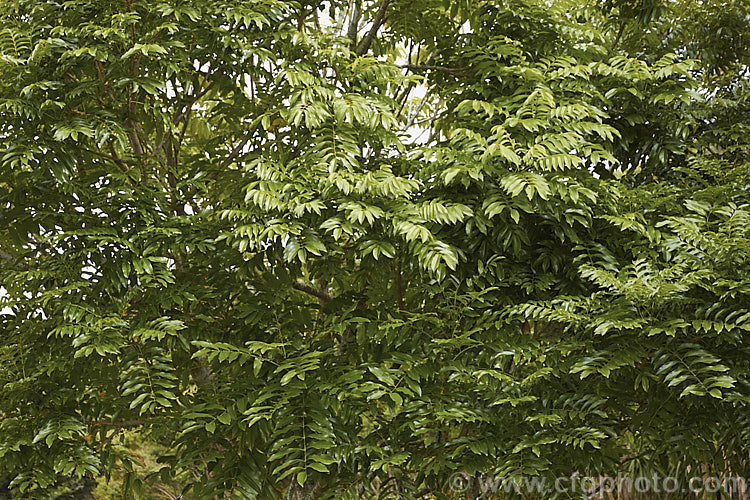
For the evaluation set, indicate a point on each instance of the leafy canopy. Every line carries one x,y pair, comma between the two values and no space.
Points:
346,249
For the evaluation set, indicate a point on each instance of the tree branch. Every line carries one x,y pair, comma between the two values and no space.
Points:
122,423
235,152
401,98
13,261
132,134
183,114
316,292
364,46
103,79
416,113
617,38
113,158
399,284
354,24
444,69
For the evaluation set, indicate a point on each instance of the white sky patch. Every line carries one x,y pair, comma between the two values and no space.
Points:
3,295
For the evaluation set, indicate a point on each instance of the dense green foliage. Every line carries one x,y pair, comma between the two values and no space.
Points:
347,249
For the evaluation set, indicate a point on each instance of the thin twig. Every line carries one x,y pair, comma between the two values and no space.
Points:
416,113
117,161
120,424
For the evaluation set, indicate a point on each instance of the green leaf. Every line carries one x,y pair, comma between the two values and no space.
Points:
302,478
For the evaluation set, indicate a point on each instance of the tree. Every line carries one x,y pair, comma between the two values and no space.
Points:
220,232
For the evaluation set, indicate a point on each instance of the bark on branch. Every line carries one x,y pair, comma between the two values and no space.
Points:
354,24
103,78
316,292
364,46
